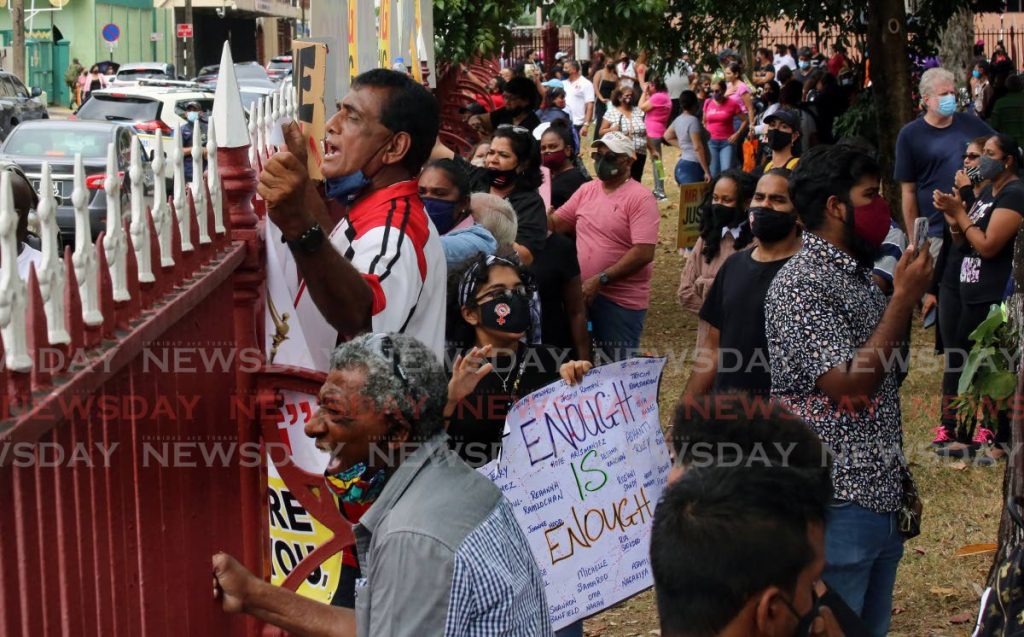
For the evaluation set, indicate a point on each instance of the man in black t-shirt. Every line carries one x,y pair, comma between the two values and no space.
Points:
734,354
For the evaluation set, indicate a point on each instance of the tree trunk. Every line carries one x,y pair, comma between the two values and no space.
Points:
18,44
890,81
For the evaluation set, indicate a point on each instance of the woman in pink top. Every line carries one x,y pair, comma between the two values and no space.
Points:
719,115
738,90
657,108
723,230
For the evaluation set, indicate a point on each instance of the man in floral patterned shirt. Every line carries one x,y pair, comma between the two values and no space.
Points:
831,340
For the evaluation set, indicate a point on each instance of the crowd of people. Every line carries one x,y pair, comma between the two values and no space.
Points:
463,282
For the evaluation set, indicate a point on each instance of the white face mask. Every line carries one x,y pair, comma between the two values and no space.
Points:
192,116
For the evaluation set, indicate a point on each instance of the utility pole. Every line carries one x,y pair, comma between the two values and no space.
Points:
190,44
18,27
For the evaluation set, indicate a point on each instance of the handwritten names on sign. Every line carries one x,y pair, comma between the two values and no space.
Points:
583,468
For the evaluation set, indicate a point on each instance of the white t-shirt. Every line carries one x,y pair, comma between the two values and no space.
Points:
26,258
627,72
780,61
577,95
678,80
388,237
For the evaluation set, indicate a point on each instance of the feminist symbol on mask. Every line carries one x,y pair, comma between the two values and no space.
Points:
502,310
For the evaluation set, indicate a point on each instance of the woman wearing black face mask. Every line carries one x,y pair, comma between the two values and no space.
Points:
489,315
511,171
724,229
945,296
734,309
986,233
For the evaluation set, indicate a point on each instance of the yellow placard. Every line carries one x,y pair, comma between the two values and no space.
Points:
310,77
294,534
690,198
352,49
384,34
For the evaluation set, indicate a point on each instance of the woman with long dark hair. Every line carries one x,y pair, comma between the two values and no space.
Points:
657,107
511,171
985,235
724,230
488,320
687,133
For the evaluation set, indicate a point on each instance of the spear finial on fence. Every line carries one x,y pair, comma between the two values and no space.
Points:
13,294
114,242
253,137
140,226
84,257
213,181
180,202
198,191
50,273
261,129
161,211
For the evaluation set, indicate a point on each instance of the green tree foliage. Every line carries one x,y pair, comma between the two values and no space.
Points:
465,29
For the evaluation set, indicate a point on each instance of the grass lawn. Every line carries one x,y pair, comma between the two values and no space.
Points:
935,591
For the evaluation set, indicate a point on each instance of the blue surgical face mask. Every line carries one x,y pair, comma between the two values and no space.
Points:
441,212
345,189
947,105
976,73
192,116
804,64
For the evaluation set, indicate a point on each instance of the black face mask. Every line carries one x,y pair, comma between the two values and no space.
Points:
723,216
778,139
501,178
509,313
770,225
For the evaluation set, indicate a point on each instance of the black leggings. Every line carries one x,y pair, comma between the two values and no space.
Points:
637,171
956,322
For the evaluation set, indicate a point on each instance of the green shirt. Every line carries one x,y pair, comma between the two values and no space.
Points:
1008,115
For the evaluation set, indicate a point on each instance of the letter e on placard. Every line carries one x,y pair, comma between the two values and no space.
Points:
309,76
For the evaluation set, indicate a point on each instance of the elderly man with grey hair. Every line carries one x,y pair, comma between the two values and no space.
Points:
929,151
440,550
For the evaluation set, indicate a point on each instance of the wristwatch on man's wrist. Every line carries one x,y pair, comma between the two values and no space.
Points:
309,242
603,278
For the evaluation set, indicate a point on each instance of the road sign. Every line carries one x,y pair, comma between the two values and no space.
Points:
111,32
185,30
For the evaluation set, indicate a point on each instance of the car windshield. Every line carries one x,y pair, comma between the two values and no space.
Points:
119,108
57,141
250,71
280,66
137,74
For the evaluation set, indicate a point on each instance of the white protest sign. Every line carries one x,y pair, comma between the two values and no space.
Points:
583,468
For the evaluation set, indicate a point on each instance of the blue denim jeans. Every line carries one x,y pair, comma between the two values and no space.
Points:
616,329
862,551
689,172
721,156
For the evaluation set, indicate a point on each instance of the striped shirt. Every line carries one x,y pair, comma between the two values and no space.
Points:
442,554
388,237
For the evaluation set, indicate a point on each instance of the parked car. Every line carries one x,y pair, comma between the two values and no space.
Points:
246,73
133,72
279,67
207,74
57,142
18,104
146,107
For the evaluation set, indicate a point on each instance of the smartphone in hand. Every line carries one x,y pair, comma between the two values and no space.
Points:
920,233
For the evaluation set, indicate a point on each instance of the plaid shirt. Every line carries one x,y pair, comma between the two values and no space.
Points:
442,554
